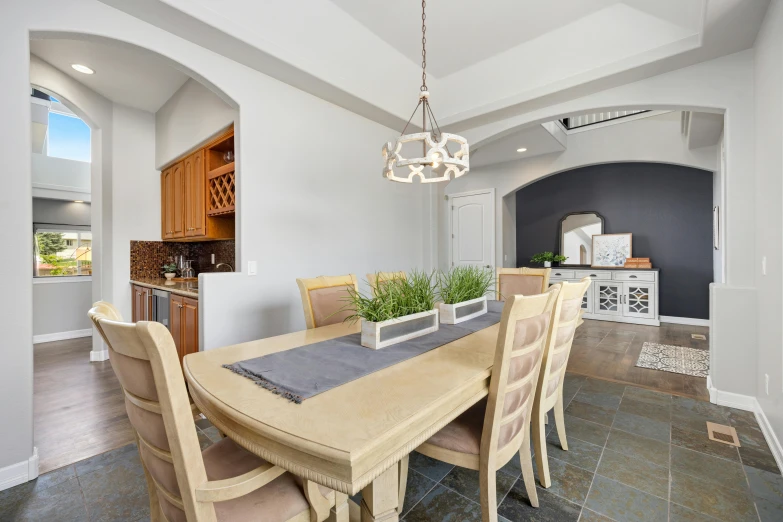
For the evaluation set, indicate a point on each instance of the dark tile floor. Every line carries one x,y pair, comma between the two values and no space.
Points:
634,455
109,487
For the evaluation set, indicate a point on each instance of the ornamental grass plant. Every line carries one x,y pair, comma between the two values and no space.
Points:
393,298
464,283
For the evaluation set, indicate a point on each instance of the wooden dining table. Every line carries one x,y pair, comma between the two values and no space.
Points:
352,437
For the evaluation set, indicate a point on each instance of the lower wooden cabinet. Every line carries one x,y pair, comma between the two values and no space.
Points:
183,324
142,303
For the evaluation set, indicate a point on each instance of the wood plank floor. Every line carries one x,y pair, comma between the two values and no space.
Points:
609,351
79,410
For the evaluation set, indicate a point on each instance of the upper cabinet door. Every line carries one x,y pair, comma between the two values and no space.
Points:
166,204
195,199
177,200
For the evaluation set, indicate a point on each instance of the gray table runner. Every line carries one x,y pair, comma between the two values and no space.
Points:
300,373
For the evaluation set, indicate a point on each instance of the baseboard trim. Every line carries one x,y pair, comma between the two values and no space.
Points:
772,440
61,336
685,320
732,400
98,356
20,472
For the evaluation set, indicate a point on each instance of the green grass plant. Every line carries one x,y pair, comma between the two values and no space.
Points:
463,283
393,298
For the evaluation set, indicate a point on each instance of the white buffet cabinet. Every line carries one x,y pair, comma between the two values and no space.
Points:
621,295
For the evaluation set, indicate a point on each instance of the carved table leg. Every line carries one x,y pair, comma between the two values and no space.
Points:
381,498
339,512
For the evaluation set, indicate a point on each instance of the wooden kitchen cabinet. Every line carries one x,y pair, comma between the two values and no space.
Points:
195,200
142,303
172,192
198,194
183,324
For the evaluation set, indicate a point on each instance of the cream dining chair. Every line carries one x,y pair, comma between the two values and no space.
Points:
323,299
224,482
493,431
521,281
549,391
381,277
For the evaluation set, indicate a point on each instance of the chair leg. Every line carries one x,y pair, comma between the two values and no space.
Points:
489,495
560,420
528,477
539,442
403,484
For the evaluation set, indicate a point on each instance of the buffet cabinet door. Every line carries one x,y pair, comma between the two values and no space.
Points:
607,298
639,300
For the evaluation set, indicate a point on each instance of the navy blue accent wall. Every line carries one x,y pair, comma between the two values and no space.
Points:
668,209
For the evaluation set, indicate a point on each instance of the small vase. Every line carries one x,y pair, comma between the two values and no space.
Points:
547,264
169,275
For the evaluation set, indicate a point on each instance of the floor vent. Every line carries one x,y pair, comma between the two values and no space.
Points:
724,434
698,337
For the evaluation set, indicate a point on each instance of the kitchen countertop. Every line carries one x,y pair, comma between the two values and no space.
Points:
186,288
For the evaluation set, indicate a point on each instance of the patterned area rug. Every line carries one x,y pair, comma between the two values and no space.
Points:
675,359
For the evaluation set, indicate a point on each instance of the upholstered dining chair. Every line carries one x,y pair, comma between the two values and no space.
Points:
381,277
323,299
224,482
549,391
521,281
494,430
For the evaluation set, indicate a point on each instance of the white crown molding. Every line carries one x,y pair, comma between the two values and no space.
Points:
61,336
20,472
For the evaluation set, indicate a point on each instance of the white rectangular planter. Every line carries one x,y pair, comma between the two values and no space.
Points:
459,312
383,334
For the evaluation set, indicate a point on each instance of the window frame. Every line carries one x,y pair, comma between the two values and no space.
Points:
63,229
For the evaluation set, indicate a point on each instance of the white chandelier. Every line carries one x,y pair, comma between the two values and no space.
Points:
437,162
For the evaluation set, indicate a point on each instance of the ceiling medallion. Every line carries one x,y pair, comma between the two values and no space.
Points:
437,162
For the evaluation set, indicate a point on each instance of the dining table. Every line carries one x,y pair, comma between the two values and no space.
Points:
350,438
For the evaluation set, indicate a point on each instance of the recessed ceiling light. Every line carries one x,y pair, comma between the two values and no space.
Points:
82,68
523,149
78,201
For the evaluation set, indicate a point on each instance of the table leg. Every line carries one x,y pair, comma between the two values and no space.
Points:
381,498
339,512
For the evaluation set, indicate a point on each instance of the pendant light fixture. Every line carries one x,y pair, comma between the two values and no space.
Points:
437,161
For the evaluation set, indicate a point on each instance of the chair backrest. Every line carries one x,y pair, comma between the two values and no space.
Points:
553,367
144,358
525,326
323,299
521,281
379,278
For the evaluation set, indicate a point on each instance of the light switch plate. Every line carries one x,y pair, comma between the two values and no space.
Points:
252,268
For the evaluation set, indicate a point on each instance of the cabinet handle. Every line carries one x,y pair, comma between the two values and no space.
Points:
632,277
593,275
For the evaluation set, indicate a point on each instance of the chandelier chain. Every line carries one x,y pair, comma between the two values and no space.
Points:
423,45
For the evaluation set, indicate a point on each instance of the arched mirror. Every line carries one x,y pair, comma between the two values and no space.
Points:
576,236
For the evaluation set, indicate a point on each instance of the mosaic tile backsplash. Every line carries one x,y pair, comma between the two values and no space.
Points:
147,257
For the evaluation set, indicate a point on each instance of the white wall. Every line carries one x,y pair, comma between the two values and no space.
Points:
190,117
135,194
59,307
60,174
769,216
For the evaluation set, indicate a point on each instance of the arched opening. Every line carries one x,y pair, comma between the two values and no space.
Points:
123,194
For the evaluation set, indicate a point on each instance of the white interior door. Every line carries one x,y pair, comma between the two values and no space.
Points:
473,229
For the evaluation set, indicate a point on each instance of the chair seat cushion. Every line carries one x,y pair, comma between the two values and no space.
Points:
279,500
463,434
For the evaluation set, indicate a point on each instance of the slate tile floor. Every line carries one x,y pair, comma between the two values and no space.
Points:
634,455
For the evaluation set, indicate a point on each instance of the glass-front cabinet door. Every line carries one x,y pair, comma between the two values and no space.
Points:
639,300
607,298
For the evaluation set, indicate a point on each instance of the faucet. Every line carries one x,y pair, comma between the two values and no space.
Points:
230,268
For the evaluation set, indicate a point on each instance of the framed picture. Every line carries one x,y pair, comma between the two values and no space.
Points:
610,250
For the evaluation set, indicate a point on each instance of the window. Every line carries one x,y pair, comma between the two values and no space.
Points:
68,137
60,252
